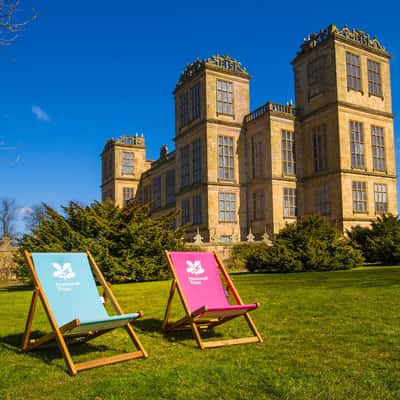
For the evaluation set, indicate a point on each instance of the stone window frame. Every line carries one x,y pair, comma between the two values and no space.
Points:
378,148
288,143
319,141
322,204
156,191
146,194
374,78
226,161
197,210
170,186
196,101
381,198
185,207
359,196
257,157
258,205
353,72
289,202
185,164
316,76
127,194
197,161
226,207
225,101
128,163
184,108
357,144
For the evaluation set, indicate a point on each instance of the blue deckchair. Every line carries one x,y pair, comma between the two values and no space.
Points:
65,284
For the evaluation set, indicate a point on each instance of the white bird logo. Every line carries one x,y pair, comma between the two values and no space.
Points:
64,271
194,267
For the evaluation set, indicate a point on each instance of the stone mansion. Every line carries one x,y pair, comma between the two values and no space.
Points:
234,170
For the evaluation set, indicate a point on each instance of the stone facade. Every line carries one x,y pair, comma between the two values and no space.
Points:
7,250
234,170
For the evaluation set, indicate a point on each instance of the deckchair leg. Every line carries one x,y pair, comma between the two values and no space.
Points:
169,304
135,339
29,320
253,326
196,333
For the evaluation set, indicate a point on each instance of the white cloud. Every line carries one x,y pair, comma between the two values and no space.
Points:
25,210
41,114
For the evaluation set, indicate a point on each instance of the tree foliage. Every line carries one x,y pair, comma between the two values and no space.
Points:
310,244
381,242
125,242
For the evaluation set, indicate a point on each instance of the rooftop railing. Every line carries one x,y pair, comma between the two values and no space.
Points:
268,107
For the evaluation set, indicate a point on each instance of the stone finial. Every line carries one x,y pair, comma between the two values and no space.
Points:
250,237
163,152
198,239
266,239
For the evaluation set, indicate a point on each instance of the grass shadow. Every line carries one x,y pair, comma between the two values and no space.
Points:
48,354
15,288
154,325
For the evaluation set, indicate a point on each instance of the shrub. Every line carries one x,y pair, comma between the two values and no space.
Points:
381,242
310,244
125,242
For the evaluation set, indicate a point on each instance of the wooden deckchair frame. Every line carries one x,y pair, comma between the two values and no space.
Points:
189,322
57,336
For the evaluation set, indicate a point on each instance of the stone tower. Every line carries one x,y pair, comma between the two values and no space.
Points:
211,101
344,127
123,161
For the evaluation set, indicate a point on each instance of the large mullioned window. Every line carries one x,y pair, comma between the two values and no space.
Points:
380,195
321,200
224,97
315,75
319,148
288,153
353,72
197,210
378,148
184,109
185,176
227,207
359,197
289,202
170,186
357,144
257,157
196,161
374,78
127,163
185,211
195,94
225,157
156,187
127,195
258,205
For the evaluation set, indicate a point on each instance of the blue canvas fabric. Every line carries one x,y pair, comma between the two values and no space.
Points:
71,291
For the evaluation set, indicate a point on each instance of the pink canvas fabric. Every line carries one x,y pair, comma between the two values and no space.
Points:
198,276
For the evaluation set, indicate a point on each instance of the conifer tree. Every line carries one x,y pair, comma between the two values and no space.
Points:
126,243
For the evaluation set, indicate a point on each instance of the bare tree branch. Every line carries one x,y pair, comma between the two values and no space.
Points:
10,23
8,216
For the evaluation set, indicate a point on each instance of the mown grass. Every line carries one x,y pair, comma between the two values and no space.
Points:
333,335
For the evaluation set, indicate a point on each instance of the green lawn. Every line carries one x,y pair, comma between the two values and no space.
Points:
332,335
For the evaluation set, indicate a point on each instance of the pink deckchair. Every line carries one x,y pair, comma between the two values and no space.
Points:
196,276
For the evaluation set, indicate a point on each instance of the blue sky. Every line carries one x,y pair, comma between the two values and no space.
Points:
87,71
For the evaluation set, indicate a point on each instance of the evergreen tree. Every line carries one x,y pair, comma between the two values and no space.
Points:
126,243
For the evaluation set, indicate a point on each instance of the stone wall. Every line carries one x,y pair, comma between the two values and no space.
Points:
7,250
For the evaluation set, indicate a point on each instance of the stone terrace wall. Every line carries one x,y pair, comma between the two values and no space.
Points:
7,250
